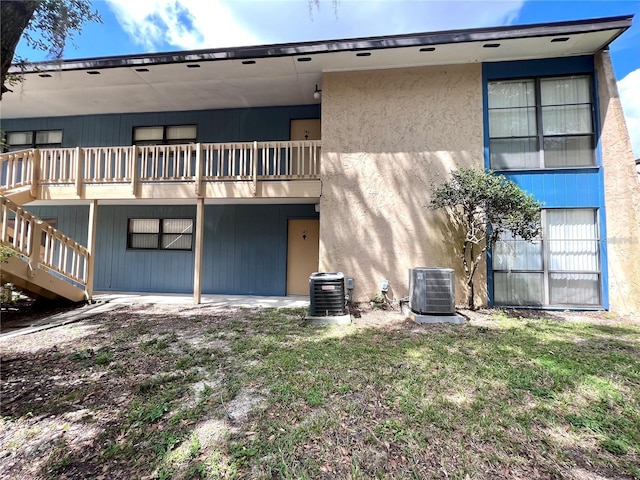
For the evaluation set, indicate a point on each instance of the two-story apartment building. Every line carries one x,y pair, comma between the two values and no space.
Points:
241,171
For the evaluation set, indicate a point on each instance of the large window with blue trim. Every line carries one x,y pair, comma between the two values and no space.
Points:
543,122
560,268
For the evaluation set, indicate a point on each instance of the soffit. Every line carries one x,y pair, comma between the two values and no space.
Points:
275,75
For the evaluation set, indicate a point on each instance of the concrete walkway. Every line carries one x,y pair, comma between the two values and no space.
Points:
105,302
248,301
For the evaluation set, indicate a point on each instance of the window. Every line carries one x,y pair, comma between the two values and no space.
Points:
541,123
33,139
160,234
561,268
164,135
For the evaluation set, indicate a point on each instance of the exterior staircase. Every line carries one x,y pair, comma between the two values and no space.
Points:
42,262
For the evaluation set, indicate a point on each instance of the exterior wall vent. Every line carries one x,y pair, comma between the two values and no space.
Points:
326,292
432,291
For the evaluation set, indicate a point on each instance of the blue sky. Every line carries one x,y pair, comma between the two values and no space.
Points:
135,26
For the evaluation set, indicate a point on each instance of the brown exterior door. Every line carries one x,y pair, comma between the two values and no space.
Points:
302,254
307,129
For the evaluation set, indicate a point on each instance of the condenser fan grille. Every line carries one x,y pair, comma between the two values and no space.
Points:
432,291
326,292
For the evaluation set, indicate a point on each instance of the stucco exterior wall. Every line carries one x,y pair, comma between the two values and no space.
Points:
387,137
622,195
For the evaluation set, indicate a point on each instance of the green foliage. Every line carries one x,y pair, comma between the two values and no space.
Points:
6,289
482,206
45,25
55,22
6,253
481,199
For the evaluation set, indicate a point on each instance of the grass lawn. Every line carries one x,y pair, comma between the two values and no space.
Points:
161,392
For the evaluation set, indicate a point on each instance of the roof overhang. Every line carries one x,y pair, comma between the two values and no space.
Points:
281,74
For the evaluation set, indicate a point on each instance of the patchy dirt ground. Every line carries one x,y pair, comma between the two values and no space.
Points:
83,400
25,312
74,387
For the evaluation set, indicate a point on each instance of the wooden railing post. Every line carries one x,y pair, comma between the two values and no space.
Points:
5,220
134,167
254,158
197,261
35,172
14,171
199,170
89,263
78,171
34,247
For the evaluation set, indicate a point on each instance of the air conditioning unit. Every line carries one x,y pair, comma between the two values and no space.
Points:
432,291
326,294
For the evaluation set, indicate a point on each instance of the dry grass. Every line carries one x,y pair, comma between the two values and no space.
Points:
162,392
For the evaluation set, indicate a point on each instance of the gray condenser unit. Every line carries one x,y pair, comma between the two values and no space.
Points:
432,291
327,294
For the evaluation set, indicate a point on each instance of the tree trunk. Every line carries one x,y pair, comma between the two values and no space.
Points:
470,290
14,18
470,294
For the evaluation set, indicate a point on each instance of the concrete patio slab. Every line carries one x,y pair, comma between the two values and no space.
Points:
419,318
247,301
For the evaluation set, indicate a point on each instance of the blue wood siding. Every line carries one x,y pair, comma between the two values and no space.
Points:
119,269
227,125
537,68
73,221
246,247
562,188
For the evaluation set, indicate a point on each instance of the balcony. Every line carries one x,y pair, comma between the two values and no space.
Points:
271,170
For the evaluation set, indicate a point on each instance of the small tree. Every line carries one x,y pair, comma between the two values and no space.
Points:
484,205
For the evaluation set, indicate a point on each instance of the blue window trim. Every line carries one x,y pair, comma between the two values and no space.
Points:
546,68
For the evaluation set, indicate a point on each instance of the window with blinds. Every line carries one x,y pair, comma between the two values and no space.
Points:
165,135
541,123
160,234
34,139
560,268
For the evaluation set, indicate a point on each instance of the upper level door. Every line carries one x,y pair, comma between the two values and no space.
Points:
307,129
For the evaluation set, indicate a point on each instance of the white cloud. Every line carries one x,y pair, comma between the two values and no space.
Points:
192,24
187,24
291,20
629,88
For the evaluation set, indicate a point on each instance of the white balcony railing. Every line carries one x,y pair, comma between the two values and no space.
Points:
17,169
197,163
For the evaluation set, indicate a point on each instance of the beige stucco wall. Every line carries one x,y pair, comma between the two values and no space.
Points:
622,195
387,136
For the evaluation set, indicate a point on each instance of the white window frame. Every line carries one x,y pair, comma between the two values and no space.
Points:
540,136
547,272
